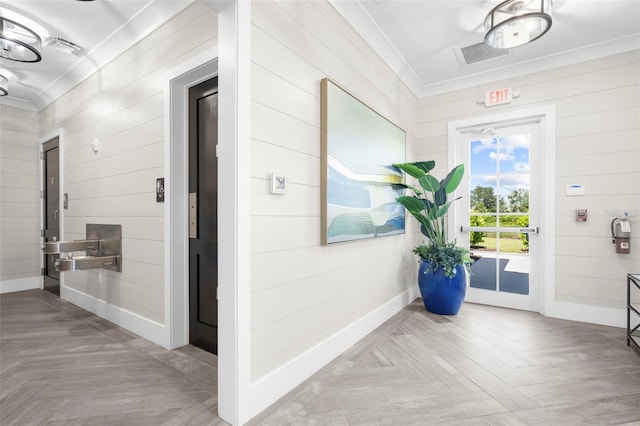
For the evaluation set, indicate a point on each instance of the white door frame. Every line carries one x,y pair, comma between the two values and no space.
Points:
547,117
176,265
233,68
532,300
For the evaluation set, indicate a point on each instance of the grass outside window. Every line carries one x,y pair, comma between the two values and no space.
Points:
507,245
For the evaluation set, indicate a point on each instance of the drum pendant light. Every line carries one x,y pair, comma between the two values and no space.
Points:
514,23
19,43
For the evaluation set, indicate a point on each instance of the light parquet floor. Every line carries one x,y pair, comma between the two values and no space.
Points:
484,366
60,365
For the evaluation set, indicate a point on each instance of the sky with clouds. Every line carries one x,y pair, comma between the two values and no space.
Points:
501,162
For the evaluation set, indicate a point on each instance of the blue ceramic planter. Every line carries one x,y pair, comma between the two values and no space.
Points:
441,294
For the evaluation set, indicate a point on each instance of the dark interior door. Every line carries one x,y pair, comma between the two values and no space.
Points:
203,215
51,213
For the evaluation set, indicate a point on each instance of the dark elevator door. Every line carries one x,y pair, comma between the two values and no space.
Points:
203,215
51,213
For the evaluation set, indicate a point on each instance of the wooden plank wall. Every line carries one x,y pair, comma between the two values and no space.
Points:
122,106
19,194
598,144
303,292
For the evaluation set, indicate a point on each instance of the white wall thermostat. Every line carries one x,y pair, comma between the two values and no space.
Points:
278,184
574,189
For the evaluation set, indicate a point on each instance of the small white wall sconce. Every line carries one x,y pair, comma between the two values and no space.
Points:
95,146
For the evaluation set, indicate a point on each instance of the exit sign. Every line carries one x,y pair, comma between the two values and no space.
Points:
498,97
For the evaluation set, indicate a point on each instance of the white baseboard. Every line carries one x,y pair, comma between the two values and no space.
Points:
135,323
589,313
20,284
276,384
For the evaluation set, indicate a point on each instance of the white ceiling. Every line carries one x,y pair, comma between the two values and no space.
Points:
419,39
103,28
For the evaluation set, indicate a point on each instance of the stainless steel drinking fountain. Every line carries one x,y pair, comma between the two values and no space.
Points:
103,249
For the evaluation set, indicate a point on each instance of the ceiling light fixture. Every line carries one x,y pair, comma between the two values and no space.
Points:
514,23
19,43
4,85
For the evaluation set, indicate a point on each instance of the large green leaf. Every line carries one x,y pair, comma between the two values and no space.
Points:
415,206
442,210
427,166
416,169
427,229
412,204
399,186
410,169
415,189
422,220
428,205
433,214
440,196
453,179
429,183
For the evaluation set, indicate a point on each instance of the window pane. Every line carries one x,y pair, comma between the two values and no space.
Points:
514,220
514,193
514,272
483,194
512,242
514,153
483,271
482,240
483,155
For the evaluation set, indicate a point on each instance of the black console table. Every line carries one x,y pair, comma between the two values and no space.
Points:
633,333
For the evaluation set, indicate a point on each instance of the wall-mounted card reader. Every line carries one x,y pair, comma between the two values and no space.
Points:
160,190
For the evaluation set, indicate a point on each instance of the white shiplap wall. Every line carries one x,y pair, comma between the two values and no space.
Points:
303,292
597,144
122,108
19,198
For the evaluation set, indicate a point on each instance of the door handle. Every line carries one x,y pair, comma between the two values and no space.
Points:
193,215
56,213
525,230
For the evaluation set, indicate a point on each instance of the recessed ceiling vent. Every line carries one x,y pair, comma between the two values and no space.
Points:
480,52
63,45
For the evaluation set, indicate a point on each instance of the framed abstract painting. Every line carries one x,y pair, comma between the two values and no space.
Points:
359,147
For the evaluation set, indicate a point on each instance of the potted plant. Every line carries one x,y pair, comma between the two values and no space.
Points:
444,266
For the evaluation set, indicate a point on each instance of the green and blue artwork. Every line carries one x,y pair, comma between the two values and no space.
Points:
359,148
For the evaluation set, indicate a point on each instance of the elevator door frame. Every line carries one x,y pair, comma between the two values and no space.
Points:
57,133
234,381
50,219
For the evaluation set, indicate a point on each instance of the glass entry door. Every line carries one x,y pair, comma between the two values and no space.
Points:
498,213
